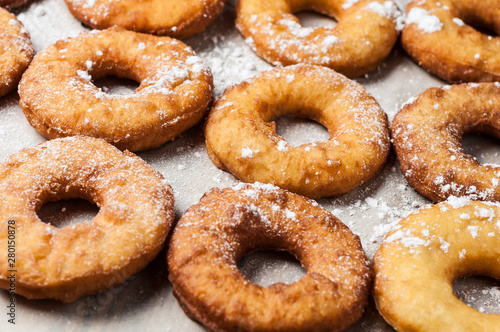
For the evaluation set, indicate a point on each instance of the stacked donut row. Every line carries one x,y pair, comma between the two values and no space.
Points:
455,238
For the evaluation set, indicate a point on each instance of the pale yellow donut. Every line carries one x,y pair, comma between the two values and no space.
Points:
241,136
419,260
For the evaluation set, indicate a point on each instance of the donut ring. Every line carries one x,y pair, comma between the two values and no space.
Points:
16,51
58,97
241,137
418,262
179,19
363,38
136,214
427,135
437,38
226,224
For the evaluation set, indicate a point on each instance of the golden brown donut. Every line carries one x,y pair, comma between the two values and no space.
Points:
427,136
363,38
16,51
135,216
59,99
241,135
419,261
227,224
439,38
175,18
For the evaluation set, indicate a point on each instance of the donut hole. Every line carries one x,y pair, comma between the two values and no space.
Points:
298,131
267,267
479,16
311,19
480,293
113,85
66,213
481,27
485,148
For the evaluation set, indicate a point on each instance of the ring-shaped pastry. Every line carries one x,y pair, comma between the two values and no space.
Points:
16,51
363,38
241,135
419,261
226,224
58,97
438,37
174,18
427,137
135,216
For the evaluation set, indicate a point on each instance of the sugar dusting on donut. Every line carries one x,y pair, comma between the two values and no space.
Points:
219,230
441,125
438,245
424,20
282,40
136,206
175,89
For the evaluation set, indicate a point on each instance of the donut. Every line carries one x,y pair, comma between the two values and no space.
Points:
427,135
363,38
178,19
419,261
16,51
214,234
241,135
59,99
439,38
135,216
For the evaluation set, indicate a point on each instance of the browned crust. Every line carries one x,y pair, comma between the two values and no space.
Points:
427,137
215,233
16,51
11,4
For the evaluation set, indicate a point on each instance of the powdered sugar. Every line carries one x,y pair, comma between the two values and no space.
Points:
458,22
246,152
387,9
424,20
296,29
